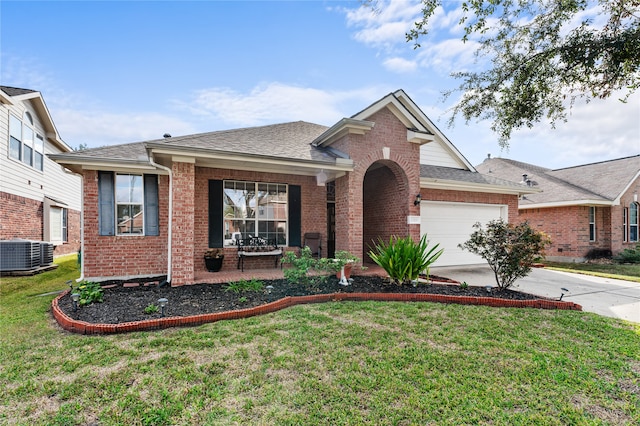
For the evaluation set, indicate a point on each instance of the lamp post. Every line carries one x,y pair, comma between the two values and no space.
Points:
75,297
162,302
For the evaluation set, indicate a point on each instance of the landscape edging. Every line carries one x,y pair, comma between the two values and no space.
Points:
83,327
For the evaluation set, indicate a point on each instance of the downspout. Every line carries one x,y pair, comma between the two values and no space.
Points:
170,226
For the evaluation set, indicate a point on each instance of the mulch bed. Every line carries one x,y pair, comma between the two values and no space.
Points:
123,304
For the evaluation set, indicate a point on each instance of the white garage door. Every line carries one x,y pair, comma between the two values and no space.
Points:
450,224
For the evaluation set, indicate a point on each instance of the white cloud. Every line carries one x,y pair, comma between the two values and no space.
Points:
277,102
449,56
98,128
400,65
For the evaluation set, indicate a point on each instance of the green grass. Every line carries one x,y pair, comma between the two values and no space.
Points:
335,363
629,272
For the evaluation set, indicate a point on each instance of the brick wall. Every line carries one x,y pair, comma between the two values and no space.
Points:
21,217
122,256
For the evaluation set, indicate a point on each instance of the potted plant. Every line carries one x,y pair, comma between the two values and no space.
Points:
342,264
213,259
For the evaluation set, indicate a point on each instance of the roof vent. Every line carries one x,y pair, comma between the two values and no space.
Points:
166,135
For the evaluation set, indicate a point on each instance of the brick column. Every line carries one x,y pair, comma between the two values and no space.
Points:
183,245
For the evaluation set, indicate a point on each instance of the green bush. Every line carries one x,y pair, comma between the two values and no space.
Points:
90,292
302,265
509,249
629,255
404,259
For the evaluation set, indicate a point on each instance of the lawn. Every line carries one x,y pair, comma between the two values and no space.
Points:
335,363
629,272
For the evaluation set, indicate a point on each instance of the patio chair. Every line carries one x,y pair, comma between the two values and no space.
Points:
313,240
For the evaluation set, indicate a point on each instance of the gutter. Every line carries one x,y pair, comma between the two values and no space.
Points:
170,225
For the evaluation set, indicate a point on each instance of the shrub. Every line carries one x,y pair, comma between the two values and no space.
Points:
302,265
509,249
598,253
629,255
151,309
90,292
404,259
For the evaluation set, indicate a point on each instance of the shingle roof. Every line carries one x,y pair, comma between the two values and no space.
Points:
287,140
603,181
451,174
15,91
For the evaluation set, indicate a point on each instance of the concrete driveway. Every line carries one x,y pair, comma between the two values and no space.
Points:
603,296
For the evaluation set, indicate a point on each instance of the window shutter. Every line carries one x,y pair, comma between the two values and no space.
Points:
295,219
151,215
216,218
106,204
65,225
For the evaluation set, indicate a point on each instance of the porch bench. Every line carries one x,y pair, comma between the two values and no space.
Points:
257,247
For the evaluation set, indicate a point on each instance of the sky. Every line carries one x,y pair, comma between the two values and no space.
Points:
126,71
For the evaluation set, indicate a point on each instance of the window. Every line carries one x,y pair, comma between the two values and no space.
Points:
592,223
255,209
633,222
58,225
625,224
127,204
22,145
15,134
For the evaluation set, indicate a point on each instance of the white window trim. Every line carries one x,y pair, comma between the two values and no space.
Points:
625,224
256,219
592,223
116,204
25,124
636,224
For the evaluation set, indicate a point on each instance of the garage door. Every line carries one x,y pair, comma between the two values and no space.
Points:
450,224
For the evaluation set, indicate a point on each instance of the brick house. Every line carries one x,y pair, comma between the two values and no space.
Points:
352,183
587,210
39,200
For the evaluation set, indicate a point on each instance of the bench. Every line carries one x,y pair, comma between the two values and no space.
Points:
257,247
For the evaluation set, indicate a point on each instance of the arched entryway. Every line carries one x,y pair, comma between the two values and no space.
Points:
385,209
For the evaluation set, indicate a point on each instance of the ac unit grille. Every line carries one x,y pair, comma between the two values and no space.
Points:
19,255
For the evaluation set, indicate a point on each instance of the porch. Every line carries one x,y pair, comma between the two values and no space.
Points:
230,275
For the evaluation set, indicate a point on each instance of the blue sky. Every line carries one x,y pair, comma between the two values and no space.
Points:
123,71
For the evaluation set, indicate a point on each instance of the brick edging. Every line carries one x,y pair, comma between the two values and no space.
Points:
83,327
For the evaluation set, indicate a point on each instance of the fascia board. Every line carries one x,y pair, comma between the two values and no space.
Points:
49,125
6,99
342,128
451,185
91,163
391,102
408,103
572,203
206,154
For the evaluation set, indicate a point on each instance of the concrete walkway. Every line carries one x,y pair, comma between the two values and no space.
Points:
603,296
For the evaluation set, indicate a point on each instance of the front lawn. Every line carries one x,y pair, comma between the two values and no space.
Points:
629,272
334,363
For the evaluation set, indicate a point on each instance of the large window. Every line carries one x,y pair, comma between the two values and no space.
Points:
129,205
633,222
255,209
592,223
24,144
625,224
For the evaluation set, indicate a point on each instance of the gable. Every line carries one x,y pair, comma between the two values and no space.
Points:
435,154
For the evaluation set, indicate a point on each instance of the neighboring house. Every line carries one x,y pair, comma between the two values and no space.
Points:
354,183
39,199
587,210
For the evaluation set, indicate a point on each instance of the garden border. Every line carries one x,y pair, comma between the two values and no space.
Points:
83,327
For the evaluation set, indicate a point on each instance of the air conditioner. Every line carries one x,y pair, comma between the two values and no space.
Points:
19,255
46,253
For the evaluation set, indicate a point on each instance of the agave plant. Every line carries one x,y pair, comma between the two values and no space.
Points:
404,259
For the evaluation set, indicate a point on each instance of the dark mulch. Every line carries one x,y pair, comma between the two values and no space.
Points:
125,304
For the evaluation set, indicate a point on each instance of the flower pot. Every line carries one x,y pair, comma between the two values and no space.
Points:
214,264
347,271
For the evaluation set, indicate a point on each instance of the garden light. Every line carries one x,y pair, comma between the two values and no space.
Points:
564,290
488,288
75,297
269,289
162,302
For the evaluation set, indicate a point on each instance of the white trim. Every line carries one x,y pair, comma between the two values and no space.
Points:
451,185
617,200
342,128
575,203
419,137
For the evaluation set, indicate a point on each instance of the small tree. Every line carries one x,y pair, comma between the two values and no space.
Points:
509,249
